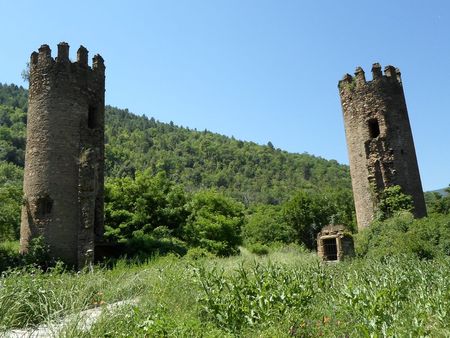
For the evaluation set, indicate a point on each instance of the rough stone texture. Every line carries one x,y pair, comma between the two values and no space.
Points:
64,160
341,238
379,140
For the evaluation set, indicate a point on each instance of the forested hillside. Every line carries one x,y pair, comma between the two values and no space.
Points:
250,172
173,187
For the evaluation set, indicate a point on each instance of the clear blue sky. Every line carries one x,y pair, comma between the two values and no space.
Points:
256,70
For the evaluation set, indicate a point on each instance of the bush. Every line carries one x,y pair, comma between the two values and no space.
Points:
143,204
198,253
214,223
255,295
307,213
147,245
393,201
9,255
258,249
425,238
11,200
267,225
438,202
38,255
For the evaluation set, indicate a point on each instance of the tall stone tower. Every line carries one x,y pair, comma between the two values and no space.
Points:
379,140
64,160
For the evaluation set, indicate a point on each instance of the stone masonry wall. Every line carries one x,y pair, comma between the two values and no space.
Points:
379,140
63,178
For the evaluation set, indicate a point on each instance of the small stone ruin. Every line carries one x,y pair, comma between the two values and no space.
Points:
334,243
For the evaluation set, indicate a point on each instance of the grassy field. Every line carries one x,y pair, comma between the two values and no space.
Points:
287,293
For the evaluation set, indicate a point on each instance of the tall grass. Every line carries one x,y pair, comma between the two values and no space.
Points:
287,293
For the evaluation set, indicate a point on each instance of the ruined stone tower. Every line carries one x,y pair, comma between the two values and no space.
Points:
379,140
64,161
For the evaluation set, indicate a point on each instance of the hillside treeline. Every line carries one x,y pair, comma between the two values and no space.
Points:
195,162
169,188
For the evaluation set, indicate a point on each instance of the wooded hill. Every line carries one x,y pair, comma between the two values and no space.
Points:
250,172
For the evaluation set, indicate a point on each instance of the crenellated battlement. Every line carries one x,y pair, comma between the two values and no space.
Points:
43,59
391,75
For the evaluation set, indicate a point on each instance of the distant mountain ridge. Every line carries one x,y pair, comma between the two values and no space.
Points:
197,159
442,191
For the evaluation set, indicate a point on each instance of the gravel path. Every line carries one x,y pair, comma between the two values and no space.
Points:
85,320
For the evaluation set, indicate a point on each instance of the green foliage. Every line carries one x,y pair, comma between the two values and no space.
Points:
258,249
149,165
286,294
152,215
197,253
402,234
12,134
266,224
394,297
13,96
307,213
145,245
143,204
214,222
438,203
30,296
38,254
244,170
253,295
9,255
392,201
11,200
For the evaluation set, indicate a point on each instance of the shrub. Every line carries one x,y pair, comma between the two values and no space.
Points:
214,223
267,225
438,202
198,253
258,249
146,245
9,255
392,201
144,203
307,213
425,238
255,295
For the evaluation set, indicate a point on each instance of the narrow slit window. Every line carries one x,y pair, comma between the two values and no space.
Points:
92,117
374,128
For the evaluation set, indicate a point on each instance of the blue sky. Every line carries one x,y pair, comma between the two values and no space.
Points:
257,70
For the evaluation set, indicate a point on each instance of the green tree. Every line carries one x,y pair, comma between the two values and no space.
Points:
10,200
266,224
425,238
214,222
440,204
307,212
144,203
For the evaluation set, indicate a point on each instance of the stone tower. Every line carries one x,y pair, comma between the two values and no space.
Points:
379,140
64,160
